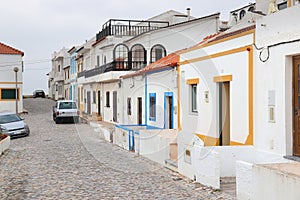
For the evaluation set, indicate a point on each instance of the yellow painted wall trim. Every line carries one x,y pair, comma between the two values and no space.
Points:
208,140
233,143
224,53
219,41
178,101
4,83
249,140
192,81
225,78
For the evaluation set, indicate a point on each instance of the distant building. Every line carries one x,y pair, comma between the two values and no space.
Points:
11,59
60,60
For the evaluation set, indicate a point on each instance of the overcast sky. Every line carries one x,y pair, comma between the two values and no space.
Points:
39,27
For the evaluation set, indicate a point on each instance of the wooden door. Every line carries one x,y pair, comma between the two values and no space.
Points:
115,108
140,110
296,106
88,96
169,112
99,103
224,113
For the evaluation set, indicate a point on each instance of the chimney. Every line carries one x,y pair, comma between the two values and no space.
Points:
188,13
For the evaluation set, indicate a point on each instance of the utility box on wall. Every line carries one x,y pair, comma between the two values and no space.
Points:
271,106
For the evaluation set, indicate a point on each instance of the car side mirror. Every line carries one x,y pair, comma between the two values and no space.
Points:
22,118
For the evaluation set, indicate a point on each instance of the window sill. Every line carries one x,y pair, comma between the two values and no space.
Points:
193,113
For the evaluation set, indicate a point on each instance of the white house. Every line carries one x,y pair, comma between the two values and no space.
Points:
60,60
11,79
276,108
216,104
237,99
118,51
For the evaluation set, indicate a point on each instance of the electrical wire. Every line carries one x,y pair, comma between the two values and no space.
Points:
261,49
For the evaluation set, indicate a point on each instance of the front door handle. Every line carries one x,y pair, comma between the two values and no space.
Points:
296,112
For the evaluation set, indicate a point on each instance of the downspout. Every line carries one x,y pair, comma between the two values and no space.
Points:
146,99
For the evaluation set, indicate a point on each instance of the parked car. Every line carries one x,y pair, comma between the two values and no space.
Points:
13,125
65,110
39,93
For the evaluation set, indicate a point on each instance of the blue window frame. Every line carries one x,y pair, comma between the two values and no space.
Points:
152,106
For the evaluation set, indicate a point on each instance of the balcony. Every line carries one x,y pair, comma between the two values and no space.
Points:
128,27
81,74
113,66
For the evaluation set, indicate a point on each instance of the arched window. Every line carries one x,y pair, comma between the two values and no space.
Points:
242,14
121,56
251,9
138,56
157,52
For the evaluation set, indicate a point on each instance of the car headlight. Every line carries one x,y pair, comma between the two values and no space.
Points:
3,129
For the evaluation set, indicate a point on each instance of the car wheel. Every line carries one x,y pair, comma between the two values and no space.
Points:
57,121
76,120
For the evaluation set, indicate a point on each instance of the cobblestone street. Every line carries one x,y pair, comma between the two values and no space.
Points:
67,161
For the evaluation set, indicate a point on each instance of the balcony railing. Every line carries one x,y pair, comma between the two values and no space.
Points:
128,27
81,74
114,66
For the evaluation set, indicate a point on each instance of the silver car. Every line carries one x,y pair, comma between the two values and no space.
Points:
65,110
13,125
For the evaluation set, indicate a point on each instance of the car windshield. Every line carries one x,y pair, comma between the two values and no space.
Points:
9,118
67,105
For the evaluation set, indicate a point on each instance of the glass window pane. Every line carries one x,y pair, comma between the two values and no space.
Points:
298,102
194,98
8,94
298,71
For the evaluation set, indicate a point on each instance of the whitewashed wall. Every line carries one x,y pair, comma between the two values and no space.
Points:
205,121
159,83
108,111
155,144
178,37
7,80
133,88
275,74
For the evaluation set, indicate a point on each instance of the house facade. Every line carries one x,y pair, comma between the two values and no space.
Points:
11,79
232,100
117,52
73,74
60,61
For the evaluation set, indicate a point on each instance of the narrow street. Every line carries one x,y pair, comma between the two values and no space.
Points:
67,161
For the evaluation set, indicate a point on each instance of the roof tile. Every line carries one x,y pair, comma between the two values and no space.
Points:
5,49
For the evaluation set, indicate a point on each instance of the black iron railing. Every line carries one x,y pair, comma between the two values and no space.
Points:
81,74
128,27
114,66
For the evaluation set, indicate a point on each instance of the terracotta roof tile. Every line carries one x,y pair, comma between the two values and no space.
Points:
5,49
165,62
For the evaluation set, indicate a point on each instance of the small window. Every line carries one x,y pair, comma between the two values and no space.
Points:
107,99
128,106
194,98
9,94
94,96
58,68
282,6
152,107
98,60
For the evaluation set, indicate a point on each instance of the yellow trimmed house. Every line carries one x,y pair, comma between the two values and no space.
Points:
11,77
216,90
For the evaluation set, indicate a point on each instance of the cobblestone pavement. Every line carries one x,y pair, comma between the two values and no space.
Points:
67,161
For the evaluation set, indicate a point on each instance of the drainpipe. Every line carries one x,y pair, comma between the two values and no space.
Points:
146,99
